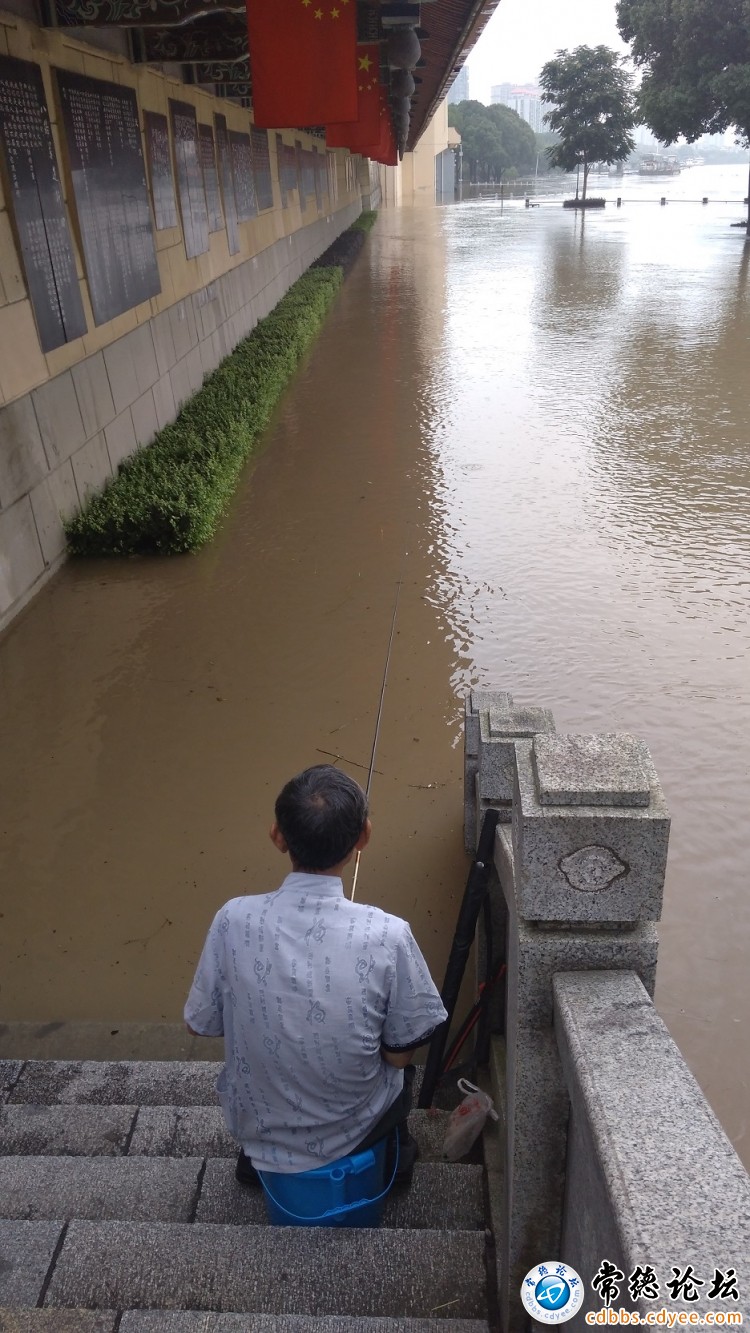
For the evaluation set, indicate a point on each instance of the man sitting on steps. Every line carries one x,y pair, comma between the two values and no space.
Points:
321,1001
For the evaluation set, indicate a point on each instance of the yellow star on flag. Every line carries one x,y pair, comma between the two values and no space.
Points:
364,62
318,13
335,13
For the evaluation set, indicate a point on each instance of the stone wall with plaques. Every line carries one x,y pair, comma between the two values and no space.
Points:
241,151
34,190
262,169
287,168
207,153
106,324
191,189
159,156
102,139
227,183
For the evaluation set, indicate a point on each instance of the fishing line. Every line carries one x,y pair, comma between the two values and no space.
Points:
377,720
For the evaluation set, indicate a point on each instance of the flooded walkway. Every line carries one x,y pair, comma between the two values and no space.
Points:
542,430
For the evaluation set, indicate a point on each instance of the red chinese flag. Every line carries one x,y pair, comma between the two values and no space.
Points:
372,148
365,129
390,157
302,61
384,149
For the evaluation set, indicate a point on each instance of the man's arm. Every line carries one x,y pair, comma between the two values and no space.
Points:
414,1007
399,1059
205,1003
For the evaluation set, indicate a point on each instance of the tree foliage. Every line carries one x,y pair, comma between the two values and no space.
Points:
592,108
544,142
496,141
695,57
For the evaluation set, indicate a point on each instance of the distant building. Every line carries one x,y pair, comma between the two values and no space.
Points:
526,100
500,92
528,103
460,89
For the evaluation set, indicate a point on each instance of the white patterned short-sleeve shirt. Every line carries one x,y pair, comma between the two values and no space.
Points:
306,987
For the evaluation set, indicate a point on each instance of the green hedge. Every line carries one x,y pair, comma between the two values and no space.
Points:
365,221
171,495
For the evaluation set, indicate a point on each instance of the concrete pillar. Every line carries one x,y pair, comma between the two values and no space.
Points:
581,868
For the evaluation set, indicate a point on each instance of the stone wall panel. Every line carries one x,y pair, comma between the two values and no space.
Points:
53,500
59,417
21,559
94,394
92,466
121,439
23,461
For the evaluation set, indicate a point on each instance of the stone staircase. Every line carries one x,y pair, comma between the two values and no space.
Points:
119,1211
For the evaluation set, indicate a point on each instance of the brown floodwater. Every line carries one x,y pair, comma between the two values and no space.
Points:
540,426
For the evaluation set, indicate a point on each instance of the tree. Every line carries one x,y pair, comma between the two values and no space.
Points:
593,108
695,57
518,137
544,142
495,140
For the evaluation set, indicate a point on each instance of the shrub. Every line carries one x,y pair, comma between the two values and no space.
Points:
170,496
348,245
365,222
589,202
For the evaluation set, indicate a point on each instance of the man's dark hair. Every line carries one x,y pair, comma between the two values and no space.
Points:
321,814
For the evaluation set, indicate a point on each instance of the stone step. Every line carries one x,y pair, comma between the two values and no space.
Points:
68,1321
441,1195
27,1250
115,1083
69,1131
149,1131
192,1321
9,1072
115,1188
183,1321
193,1131
271,1270
135,1189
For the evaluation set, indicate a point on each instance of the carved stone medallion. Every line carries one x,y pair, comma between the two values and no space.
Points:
591,869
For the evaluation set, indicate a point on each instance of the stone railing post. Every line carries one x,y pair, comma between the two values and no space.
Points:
581,867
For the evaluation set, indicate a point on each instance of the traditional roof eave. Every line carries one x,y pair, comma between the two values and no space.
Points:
202,33
442,17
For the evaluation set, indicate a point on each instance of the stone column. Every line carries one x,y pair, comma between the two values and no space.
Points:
493,724
581,869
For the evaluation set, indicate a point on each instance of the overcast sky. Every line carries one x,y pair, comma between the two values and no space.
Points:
522,34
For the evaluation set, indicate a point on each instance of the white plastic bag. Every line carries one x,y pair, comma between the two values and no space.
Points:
467,1121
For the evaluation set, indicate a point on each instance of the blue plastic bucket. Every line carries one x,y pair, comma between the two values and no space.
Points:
346,1193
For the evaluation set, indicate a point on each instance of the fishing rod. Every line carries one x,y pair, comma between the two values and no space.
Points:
371,769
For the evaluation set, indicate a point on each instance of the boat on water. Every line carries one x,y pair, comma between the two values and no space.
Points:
656,164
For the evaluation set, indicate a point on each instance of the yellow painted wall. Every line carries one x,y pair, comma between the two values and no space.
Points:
23,365
416,173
